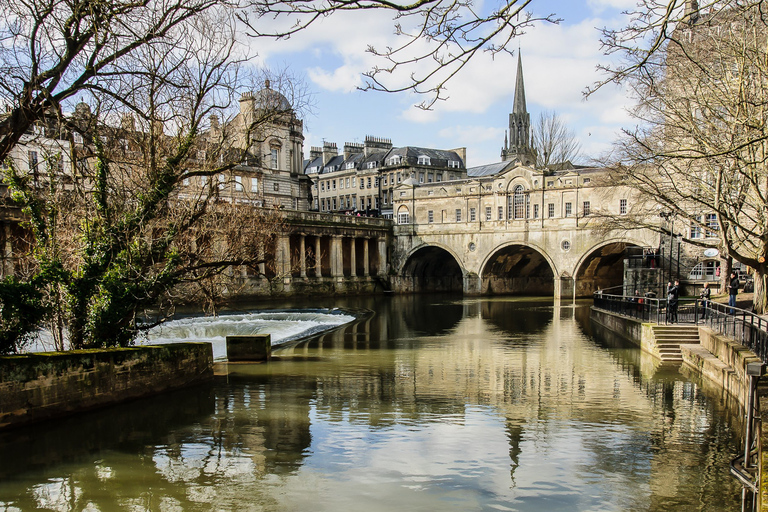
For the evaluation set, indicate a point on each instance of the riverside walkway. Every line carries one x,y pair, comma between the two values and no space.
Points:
737,325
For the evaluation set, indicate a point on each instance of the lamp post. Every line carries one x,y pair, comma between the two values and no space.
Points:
668,217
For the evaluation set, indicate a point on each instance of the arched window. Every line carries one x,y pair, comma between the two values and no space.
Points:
403,215
520,203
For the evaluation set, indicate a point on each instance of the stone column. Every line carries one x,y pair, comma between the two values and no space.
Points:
303,255
284,256
262,256
383,263
337,258
366,262
318,258
353,258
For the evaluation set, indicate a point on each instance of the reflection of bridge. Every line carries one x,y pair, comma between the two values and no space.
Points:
517,232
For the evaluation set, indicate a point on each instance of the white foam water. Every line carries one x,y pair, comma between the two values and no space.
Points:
283,326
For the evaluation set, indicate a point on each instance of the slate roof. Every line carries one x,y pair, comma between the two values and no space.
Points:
488,169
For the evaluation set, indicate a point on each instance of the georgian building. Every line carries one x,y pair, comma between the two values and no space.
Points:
362,179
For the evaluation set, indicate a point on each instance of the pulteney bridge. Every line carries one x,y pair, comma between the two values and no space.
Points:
518,232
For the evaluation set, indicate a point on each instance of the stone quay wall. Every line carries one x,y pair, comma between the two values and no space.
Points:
36,387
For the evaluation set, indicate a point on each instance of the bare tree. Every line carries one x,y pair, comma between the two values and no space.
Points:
556,144
120,232
699,151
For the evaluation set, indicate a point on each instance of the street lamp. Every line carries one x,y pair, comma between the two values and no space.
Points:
668,217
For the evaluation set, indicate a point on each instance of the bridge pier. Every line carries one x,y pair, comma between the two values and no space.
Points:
472,284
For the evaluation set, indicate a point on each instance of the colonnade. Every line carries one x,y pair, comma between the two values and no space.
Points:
304,255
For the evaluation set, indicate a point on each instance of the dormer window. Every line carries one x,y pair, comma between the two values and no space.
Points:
395,160
350,165
453,164
424,160
371,165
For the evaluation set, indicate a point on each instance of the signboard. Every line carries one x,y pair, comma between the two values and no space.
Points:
711,253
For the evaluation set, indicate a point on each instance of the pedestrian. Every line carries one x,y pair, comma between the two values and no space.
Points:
733,290
673,293
705,294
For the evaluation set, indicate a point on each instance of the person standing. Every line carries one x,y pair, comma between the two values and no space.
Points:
733,290
673,293
705,294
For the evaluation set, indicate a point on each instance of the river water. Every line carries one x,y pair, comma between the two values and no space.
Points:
426,403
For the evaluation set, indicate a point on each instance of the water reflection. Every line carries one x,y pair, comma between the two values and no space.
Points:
427,403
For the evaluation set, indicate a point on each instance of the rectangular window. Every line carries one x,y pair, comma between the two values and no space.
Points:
369,182
347,182
354,201
430,216
535,211
354,181
568,209
458,214
376,202
403,218
322,186
221,182
254,184
430,177
501,213
695,230
622,206
276,186
334,203
275,158
333,184
399,177
712,227
376,183
585,208
488,213
472,215
238,183
439,176
421,177
341,183
551,210
322,205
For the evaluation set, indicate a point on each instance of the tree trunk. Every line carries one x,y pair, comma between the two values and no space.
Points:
760,300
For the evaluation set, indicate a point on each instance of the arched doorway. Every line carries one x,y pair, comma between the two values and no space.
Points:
604,269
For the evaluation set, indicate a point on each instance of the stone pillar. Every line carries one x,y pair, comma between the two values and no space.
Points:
366,262
383,263
303,255
337,258
262,256
353,257
318,258
284,256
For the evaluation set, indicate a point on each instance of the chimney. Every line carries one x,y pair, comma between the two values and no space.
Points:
374,144
352,148
315,152
329,151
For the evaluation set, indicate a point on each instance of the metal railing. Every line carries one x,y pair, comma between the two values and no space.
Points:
738,324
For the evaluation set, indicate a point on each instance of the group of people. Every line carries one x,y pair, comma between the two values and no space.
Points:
673,294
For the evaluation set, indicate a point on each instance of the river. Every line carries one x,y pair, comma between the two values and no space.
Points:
425,403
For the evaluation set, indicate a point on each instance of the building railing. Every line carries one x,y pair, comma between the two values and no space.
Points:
737,324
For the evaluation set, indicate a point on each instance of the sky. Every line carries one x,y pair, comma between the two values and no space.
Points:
559,63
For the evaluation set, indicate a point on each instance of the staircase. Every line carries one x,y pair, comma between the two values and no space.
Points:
670,337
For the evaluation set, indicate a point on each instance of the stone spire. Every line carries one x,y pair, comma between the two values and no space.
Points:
519,125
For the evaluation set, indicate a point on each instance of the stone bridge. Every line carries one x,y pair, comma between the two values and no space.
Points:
520,232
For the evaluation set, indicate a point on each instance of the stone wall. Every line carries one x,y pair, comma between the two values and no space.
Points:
40,386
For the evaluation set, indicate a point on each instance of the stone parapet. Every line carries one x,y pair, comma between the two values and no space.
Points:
35,387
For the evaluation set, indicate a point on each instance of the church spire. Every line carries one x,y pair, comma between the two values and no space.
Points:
519,106
519,124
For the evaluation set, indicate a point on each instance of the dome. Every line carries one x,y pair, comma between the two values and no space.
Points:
270,99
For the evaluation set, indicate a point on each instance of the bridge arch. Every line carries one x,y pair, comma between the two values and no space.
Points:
431,268
518,269
602,266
